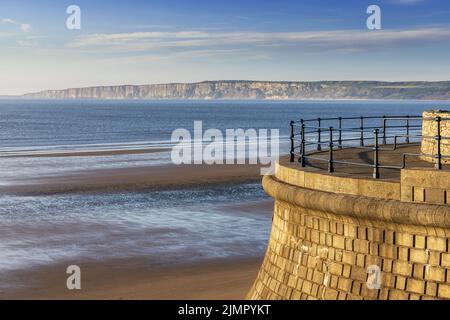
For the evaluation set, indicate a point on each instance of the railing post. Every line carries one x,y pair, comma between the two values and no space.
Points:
361,125
384,130
340,133
376,169
292,142
407,129
438,144
319,135
330,153
302,159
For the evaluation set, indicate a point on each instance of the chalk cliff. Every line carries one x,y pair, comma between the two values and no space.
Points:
259,90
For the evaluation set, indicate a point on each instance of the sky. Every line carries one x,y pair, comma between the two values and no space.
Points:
145,42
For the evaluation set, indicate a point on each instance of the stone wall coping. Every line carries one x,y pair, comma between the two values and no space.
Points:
393,211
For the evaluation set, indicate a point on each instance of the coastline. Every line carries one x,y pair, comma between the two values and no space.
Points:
257,89
21,98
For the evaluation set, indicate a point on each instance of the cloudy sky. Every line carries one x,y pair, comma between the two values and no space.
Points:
143,42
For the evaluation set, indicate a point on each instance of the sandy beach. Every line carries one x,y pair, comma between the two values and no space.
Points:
140,277
132,179
132,279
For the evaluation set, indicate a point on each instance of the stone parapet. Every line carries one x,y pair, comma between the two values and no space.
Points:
326,239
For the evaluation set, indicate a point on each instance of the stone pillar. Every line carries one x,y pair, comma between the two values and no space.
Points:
429,132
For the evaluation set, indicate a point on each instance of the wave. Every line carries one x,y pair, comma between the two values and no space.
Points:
109,148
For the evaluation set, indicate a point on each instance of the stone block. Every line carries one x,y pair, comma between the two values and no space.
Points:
348,257
338,242
403,253
360,260
361,246
436,196
435,258
415,286
419,242
437,244
331,294
444,291
388,251
387,265
349,230
445,260
336,268
404,239
344,284
431,289
418,256
436,274
358,274
419,194
419,271
400,283
347,271
389,236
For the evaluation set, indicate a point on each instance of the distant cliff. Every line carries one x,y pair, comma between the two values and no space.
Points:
260,90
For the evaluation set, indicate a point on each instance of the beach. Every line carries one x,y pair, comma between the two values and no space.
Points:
134,280
139,276
155,177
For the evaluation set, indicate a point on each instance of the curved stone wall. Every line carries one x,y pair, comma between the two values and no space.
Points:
429,132
330,245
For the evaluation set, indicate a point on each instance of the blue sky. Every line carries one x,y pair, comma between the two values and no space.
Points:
140,42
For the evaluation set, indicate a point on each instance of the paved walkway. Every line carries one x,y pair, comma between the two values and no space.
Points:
387,157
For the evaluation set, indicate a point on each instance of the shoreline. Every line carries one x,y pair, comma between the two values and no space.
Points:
95,153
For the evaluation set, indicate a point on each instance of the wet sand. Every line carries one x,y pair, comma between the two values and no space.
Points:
134,280
134,179
138,278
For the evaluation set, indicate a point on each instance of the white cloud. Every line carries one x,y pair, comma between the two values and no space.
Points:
7,21
346,40
24,27
27,43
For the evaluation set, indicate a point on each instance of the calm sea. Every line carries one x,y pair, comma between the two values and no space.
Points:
174,226
25,123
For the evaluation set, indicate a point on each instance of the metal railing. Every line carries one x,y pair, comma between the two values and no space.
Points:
314,136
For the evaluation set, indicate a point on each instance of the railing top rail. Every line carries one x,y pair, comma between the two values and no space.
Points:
386,117
365,129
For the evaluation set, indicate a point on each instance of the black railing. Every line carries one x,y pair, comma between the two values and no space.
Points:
307,139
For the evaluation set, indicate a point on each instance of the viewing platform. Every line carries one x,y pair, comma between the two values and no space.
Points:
361,211
419,181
